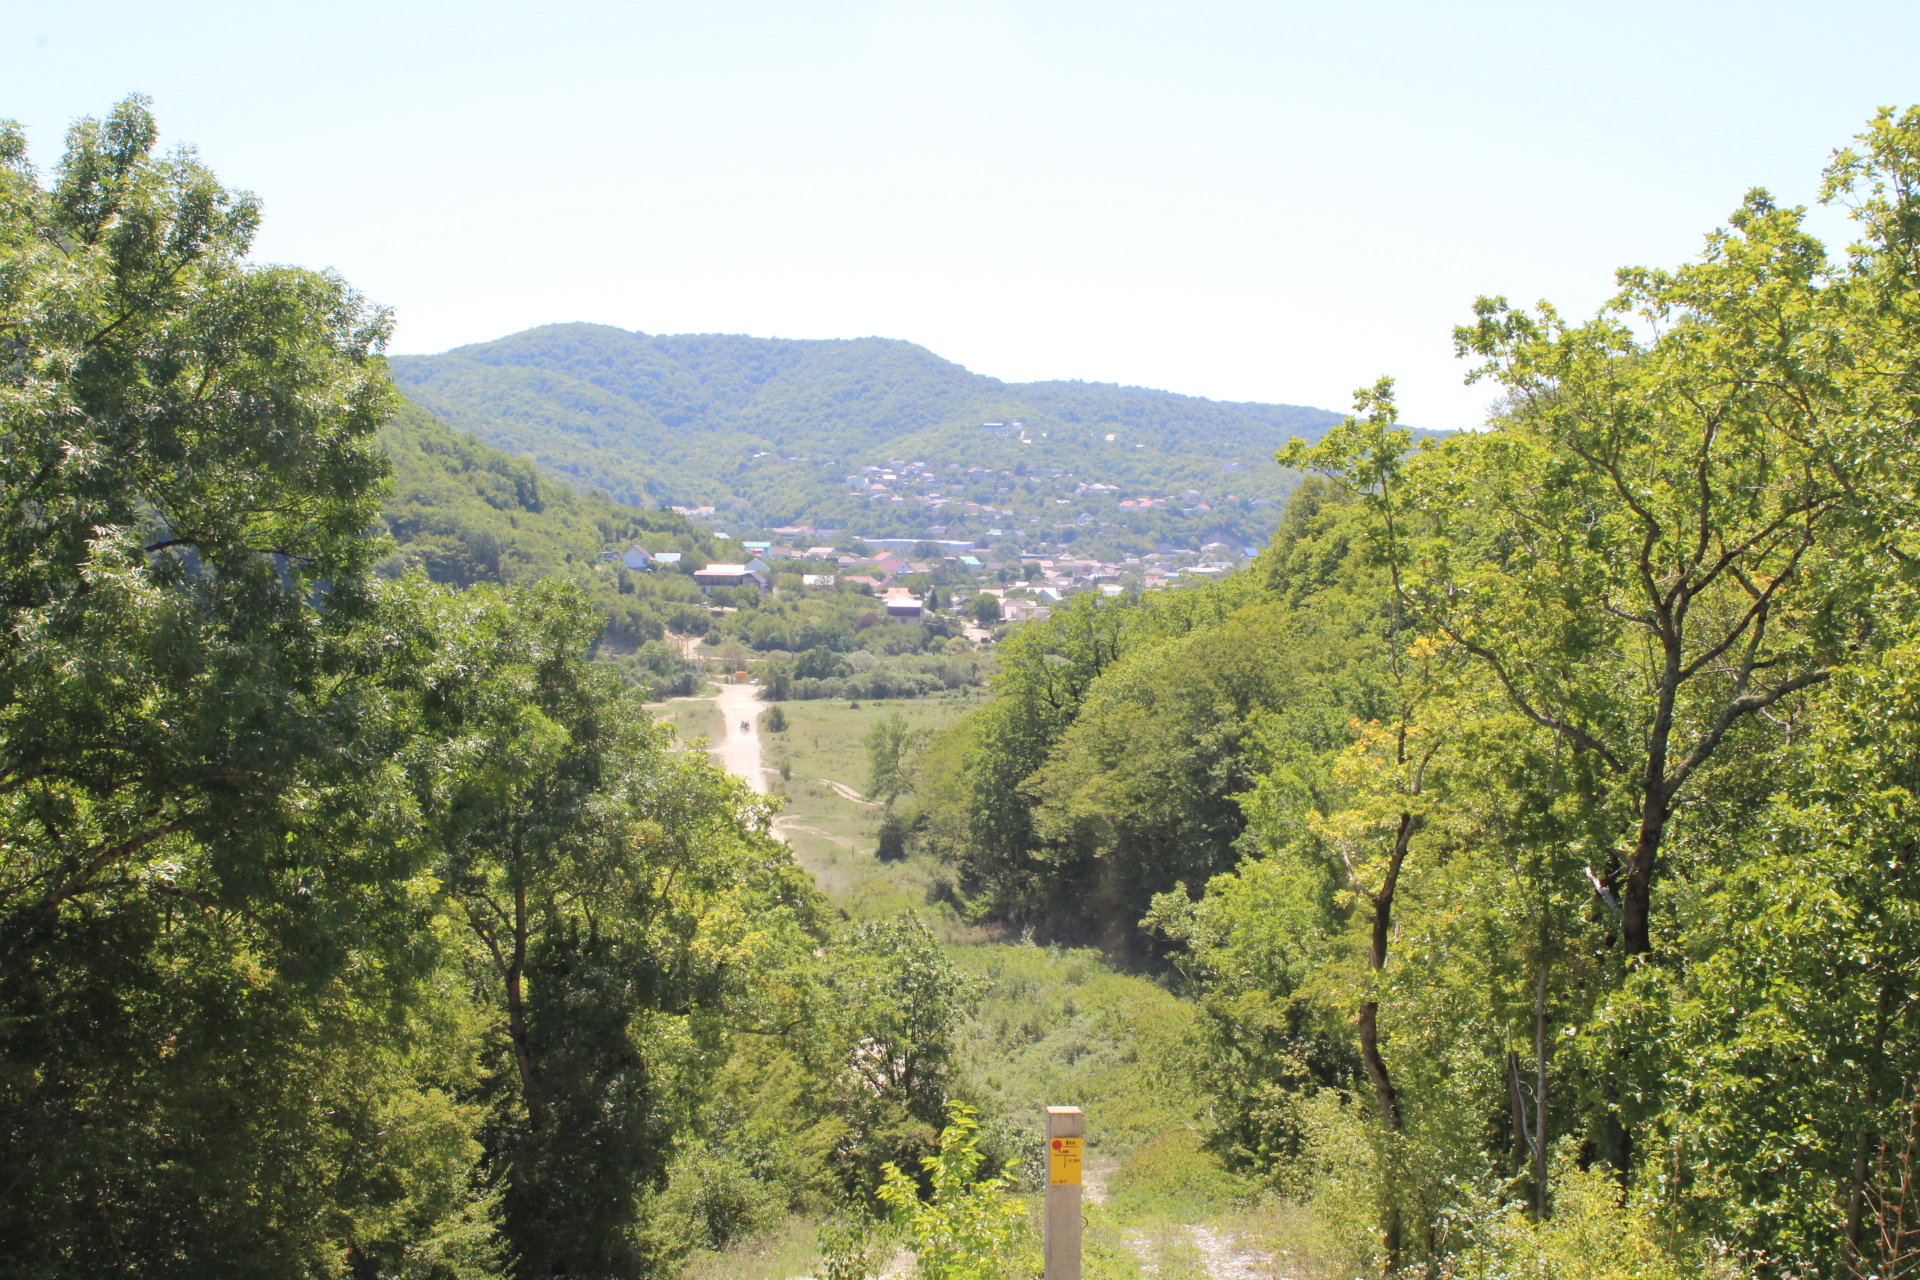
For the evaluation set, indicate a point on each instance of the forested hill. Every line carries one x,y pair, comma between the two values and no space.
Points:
768,430
468,513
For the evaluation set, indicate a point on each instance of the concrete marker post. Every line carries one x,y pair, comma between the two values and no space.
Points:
1064,1128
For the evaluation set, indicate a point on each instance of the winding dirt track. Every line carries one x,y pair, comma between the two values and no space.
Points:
1220,1255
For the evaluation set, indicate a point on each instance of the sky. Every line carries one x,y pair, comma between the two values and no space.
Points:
1247,201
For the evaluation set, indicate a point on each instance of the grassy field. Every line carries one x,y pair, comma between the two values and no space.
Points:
694,717
827,819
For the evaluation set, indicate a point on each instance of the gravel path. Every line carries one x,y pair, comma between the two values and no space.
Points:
1195,1248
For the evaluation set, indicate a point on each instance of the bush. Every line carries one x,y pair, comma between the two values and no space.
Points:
1591,1235
684,685
819,663
970,1227
893,839
711,1200
853,1247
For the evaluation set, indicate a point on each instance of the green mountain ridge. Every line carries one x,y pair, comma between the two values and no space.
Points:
767,431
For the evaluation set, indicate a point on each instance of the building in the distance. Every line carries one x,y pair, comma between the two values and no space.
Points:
729,575
904,606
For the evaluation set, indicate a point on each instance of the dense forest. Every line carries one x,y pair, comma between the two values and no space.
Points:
355,921
767,432
1525,836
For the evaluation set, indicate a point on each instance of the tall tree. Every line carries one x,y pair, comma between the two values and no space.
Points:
211,915
605,878
1650,546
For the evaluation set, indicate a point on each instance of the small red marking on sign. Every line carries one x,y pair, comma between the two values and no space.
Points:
1056,1144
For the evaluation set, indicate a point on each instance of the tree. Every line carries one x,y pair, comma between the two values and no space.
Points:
604,877
211,907
1045,672
890,748
1646,550
189,454
902,1004
1148,782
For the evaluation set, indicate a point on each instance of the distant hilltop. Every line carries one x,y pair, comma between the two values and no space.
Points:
871,434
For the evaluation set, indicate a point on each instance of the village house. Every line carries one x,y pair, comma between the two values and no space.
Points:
729,575
904,606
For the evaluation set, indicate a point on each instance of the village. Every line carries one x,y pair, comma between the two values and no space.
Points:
916,576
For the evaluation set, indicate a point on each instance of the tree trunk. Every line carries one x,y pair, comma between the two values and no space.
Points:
1517,1104
1540,1093
1619,1138
517,1012
1867,1139
1857,1198
1383,1091
1385,1095
1636,892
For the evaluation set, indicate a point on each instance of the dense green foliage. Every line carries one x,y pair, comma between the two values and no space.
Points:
767,431
969,1226
1534,819
466,513
354,923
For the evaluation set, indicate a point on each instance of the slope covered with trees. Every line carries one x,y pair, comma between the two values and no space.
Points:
1535,822
768,430
465,513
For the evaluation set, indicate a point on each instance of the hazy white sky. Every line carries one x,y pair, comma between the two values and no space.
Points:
1270,201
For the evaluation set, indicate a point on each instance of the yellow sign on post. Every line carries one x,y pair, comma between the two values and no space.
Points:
1063,1162
1065,1125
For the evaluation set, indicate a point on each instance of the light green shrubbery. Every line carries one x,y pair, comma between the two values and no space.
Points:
968,1227
1591,1235
1173,1177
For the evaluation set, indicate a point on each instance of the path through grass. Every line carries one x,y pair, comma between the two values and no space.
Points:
1055,1026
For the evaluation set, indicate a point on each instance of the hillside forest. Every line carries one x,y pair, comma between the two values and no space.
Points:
1508,874
771,433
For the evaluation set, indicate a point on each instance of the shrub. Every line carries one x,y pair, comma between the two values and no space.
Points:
893,839
969,1227
1591,1236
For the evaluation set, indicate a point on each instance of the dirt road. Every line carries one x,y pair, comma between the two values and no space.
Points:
739,747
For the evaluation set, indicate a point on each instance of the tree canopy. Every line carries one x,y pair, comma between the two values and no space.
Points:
1508,816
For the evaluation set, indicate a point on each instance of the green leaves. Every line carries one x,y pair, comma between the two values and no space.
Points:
968,1227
